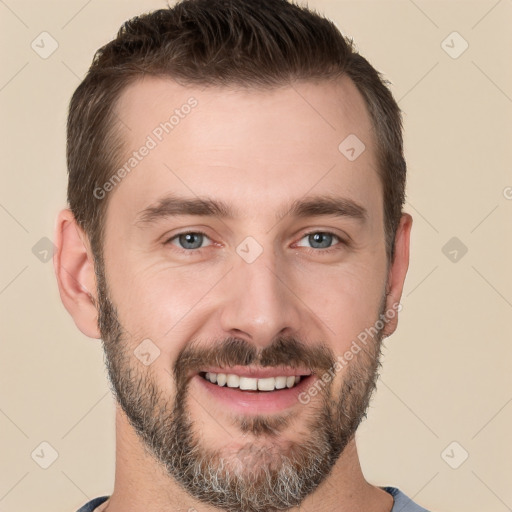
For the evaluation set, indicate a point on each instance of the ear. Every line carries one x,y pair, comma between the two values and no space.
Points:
398,271
74,269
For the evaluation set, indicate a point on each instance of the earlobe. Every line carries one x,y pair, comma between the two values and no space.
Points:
74,269
398,271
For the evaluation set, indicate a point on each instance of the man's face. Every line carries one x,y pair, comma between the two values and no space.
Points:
262,288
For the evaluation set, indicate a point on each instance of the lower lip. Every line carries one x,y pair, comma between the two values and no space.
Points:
262,402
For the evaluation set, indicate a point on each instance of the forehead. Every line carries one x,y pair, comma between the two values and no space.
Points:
248,147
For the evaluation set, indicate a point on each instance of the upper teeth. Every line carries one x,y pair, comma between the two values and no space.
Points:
248,383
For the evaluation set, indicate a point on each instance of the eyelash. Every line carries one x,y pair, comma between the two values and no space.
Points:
329,250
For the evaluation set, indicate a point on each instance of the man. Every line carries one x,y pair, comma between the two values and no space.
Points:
235,236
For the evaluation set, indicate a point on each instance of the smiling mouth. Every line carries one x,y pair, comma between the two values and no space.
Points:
252,384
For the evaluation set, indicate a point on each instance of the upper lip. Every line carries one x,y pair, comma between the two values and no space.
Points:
258,373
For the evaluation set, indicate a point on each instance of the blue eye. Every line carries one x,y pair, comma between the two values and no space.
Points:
319,242
321,239
189,241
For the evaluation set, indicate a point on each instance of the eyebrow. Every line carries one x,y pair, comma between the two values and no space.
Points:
311,206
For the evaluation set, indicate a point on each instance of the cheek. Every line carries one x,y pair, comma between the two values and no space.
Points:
347,300
160,300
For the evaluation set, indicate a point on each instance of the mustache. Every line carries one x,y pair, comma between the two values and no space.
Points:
283,351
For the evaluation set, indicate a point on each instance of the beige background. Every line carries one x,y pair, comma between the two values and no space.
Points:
446,372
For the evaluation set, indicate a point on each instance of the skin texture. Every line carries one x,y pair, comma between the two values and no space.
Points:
257,151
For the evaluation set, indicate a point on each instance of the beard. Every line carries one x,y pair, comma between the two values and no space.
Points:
268,473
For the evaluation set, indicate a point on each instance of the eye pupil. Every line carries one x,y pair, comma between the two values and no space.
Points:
324,239
194,240
191,240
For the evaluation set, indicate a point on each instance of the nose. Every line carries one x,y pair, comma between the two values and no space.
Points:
260,302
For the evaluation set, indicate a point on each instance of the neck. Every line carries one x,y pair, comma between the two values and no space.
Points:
141,483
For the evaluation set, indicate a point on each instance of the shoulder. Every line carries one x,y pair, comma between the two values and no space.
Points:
402,502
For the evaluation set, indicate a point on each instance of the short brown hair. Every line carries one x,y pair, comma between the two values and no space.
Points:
249,43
